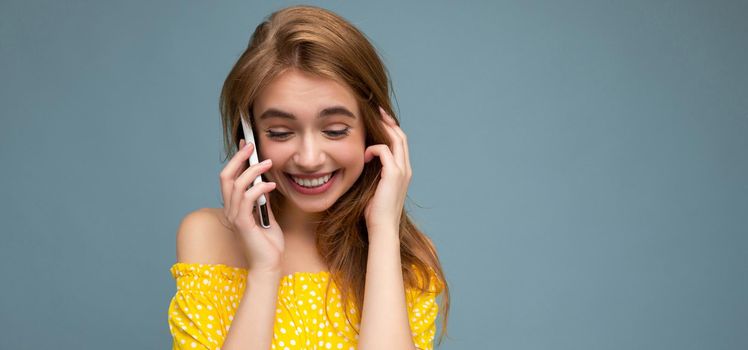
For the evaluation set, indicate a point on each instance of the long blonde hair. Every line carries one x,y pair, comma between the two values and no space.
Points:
320,42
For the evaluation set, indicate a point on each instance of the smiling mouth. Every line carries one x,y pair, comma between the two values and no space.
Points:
311,183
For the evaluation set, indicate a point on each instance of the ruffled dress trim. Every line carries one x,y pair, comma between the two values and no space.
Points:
209,277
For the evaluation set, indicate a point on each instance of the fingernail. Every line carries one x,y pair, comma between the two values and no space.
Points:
266,162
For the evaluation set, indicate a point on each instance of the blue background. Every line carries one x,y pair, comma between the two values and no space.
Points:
580,165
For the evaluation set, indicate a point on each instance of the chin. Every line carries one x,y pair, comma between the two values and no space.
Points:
309,206
314,208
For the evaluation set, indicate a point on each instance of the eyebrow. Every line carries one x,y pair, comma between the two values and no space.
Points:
329,111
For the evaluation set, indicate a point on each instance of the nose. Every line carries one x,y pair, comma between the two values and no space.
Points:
310,157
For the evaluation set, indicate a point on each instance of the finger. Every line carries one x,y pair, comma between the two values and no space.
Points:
396,139
246,216
384,154
231,170
245,179
406,152
244,161
242,143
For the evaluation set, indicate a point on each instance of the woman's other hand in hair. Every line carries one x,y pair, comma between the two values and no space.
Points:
386,206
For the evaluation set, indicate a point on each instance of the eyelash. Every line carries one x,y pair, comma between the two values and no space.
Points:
282,135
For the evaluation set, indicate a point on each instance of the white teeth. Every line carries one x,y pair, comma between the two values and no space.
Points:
312,182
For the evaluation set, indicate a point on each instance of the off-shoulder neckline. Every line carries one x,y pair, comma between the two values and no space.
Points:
244,271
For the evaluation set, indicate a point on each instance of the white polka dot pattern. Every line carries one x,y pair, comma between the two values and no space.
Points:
201,311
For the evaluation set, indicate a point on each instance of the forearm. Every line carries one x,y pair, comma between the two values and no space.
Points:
252,326
384,318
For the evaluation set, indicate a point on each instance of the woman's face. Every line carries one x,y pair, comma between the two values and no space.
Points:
311,128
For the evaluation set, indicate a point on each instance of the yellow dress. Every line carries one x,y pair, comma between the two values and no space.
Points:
207,296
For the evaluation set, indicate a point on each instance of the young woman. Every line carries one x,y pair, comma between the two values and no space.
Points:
342,265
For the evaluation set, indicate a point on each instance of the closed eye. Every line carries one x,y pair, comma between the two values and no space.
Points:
343,132
284,135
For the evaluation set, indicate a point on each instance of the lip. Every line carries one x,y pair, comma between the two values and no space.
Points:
313,176
316,190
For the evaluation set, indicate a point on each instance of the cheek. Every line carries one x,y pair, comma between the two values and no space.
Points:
278,152
277,156
353,155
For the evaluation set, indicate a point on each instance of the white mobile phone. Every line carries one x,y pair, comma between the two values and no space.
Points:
262,208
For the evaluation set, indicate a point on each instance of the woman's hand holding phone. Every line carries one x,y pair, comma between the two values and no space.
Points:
263,247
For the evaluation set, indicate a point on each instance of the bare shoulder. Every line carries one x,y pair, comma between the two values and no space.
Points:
203,237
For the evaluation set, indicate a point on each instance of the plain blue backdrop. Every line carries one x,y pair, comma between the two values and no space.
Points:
580,165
